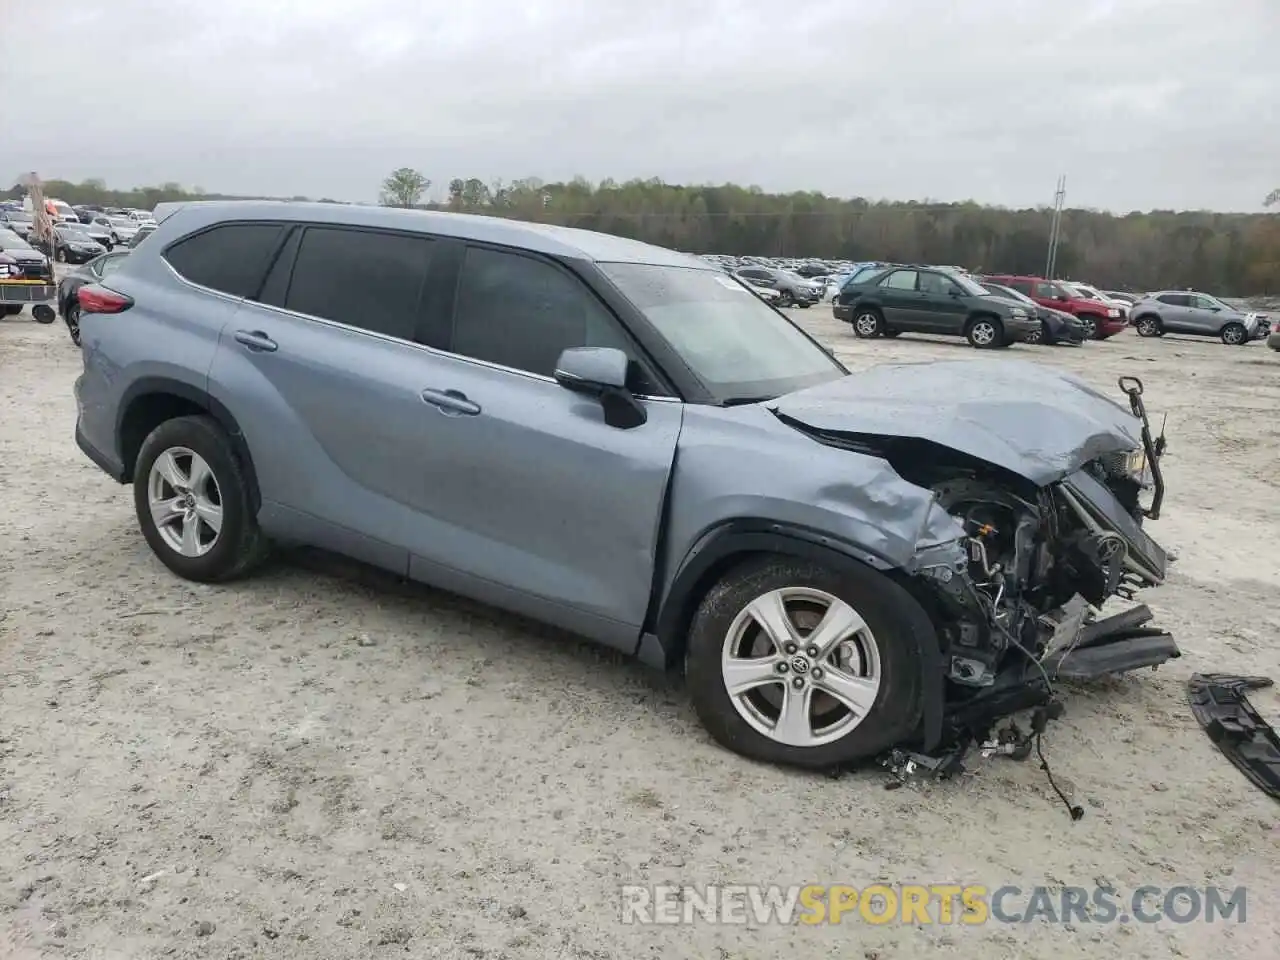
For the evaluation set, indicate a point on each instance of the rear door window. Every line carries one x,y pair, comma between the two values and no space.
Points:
232,258
362,278
1175,299
900,280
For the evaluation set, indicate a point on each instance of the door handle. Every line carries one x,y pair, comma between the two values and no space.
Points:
452,403
256,340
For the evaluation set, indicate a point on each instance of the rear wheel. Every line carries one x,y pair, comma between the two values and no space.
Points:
193,501
72,317
785,299
868,323
792,662
1148,326
985,333
1235,335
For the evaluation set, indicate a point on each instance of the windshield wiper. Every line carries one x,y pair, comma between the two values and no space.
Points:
744,401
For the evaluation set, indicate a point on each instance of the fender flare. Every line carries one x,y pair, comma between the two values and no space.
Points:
717,548
145,386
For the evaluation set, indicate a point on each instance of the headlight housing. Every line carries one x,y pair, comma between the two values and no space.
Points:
1113,312
1017,313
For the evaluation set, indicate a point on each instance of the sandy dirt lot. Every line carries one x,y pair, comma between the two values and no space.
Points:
320,763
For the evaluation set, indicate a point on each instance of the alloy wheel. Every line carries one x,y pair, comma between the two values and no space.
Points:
801,666
185,501
867,324
984,333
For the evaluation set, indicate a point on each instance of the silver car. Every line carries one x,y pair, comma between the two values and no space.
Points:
624,442
1198,314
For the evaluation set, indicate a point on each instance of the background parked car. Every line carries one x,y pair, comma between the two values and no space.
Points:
69,287
71,244
120,229
929,300
1197,314
34,264
99,232
1056,326
1101,321
792,288
1129,298
17,221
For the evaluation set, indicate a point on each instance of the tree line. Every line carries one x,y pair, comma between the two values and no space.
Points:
1231,254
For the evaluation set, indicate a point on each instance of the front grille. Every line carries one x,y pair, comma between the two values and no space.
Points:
36,271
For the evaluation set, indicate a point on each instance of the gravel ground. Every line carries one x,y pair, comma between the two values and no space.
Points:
319,762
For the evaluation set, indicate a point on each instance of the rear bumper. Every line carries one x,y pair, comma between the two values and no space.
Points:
109,463
842,311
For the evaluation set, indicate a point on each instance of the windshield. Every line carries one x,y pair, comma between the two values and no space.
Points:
76,233
970,287
11,241
995,290
1089,292
737,346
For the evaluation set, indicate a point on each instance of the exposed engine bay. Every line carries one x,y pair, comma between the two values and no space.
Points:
1015,601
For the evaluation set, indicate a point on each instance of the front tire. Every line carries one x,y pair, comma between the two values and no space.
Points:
985,333
1235,335
193,501
868,324
792,662
1147,326
1090,327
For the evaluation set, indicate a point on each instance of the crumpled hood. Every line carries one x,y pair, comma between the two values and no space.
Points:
1035,421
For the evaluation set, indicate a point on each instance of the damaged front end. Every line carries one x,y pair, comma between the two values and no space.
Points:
1016,600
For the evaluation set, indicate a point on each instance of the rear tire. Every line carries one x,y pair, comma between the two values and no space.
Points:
72,318
985,333
1148,326
868,323
190,543
1235,335
874,663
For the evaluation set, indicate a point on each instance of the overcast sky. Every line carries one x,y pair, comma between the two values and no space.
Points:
1141,103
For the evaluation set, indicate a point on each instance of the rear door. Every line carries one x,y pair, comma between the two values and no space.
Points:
551,511
1175,313
941,308
324,369
901,301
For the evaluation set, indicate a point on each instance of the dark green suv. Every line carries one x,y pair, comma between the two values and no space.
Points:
932,300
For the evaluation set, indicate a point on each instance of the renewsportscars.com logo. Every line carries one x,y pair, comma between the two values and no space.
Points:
939,903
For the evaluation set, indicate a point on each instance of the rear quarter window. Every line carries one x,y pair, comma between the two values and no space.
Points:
232,258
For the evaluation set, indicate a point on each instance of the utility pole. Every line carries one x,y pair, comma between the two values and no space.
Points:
1059,198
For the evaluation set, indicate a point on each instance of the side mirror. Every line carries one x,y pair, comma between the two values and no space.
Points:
601,372
956,292
1063,297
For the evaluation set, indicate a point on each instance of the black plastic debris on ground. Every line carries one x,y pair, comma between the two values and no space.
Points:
1222,708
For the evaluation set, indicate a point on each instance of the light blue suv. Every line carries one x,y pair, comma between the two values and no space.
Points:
622,441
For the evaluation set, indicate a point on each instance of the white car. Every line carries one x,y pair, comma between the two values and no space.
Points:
1093,293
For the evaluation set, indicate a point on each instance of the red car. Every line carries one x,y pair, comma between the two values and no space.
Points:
1100,320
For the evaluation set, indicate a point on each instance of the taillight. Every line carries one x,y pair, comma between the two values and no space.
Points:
96,299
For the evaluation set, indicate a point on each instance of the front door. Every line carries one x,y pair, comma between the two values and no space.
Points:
550,510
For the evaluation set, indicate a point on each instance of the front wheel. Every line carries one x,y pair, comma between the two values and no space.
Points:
985,333
193,501
1147,327
786,300
1235,335
60,256
1090,327
792,662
